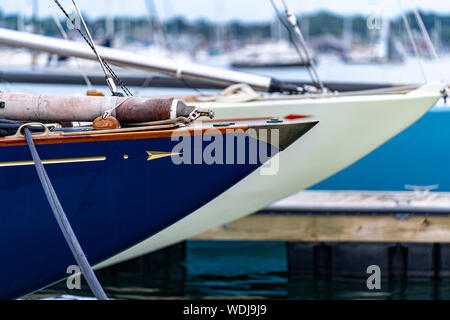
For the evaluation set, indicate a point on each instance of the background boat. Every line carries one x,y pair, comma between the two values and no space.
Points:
418,156
270,55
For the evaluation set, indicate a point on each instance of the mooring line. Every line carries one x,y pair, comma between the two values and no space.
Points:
63,222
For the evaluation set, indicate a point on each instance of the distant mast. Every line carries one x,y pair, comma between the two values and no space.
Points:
382,49
348,32
20,21
304,25
276,30
36,30
387,50
110,28
158,28
437,33
35,17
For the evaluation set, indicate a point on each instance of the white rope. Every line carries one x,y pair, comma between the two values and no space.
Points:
240,92
108,113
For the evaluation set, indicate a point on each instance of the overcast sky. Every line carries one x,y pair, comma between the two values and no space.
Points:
224,10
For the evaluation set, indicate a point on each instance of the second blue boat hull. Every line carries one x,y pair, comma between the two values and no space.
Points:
418,156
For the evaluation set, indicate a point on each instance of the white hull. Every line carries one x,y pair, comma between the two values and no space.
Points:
349,128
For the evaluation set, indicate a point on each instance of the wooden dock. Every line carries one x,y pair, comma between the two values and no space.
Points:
306,228
337,235
346,216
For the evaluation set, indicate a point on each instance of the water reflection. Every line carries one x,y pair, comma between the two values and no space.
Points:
241,270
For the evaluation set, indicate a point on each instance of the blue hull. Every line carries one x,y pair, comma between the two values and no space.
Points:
418,156
112,204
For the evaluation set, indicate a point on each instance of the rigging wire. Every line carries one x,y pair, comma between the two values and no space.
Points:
429,43
293,21
304,52
413,42
425,34
65,36
291,38
106,65
109,79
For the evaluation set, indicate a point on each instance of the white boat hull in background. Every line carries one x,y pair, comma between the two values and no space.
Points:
349,128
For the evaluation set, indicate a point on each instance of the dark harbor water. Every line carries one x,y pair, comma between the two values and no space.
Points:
241,270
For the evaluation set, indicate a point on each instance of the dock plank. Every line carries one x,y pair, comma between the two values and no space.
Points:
275,227
364,201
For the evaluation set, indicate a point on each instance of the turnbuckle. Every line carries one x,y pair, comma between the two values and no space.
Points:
197,113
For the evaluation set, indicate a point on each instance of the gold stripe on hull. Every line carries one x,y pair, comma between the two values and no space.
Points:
52,161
